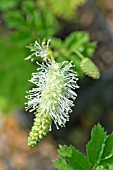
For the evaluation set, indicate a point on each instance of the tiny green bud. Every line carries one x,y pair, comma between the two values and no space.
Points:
89,68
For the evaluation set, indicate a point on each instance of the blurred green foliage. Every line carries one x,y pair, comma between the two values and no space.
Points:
63,9
14,78
74,48
22,22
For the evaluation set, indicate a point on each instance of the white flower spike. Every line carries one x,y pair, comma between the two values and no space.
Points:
53,96
54,93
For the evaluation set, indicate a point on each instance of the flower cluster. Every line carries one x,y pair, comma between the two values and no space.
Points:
39,51
52,97
54,92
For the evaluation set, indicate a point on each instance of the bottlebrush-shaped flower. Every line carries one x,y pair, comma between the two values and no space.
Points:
52,98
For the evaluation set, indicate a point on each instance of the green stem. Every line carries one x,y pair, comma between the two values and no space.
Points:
94,167
75,51
52,57
79,54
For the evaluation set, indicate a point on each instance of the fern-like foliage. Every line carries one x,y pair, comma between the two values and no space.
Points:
99,153
77,48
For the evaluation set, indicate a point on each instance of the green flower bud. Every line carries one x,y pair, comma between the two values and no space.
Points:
89,68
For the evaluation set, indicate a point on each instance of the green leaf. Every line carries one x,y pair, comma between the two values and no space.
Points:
96,145
75,159
80,41
89,49
107,163
14,19
46,23
6,4
61,164
28,6
76,39
79,161
57,43
101,167
108,149
65,151
89,68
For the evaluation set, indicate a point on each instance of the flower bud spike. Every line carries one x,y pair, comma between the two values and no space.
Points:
54,93
42,125
89,68
53,96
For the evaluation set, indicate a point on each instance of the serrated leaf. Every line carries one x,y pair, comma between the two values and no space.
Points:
77,40
61,164
65,151
108,149
75,159
89,68
80,41
108,161
79,161
96,145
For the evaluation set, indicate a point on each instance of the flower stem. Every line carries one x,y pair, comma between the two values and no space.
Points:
79,54
51,56
94,167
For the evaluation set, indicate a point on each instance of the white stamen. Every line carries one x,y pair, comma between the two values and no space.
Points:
54,93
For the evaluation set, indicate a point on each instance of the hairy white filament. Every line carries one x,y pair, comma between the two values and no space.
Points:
41,51
54,92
